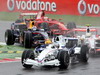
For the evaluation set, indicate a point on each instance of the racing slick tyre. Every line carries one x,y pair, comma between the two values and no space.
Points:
84,53
71,25
9,37
63,57
27,54
28,40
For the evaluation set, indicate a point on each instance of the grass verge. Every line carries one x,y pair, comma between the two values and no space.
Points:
10,48
79,20
12,55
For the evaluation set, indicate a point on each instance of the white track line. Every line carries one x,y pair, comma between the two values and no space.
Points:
2,43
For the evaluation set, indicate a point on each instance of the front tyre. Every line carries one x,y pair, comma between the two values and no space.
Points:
28,40
63,57
27,54
9,37
71,25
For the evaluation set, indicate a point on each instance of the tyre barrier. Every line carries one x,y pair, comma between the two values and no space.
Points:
11,52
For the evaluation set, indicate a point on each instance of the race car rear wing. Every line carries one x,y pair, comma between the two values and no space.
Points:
84,29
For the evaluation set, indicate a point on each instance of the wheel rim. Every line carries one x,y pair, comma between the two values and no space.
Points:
23,62
66,61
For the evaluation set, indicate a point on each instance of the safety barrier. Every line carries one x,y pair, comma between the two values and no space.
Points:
62,7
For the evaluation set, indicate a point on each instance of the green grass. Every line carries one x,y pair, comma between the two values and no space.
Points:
10,48
79,20
9,16
12,55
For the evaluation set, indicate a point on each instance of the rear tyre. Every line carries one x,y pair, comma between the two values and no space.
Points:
84,53
71,25
27,54
9,37
28,40
63,57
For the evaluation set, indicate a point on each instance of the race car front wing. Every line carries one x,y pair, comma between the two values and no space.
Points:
54,62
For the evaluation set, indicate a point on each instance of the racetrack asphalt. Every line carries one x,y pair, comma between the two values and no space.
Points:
3,26
16,68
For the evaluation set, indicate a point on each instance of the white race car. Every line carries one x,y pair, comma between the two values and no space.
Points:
89,35
49,55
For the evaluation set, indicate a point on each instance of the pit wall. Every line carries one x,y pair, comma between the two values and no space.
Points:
60,7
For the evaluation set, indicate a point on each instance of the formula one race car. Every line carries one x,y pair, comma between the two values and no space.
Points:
28,38
89,35
52,26
49,55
